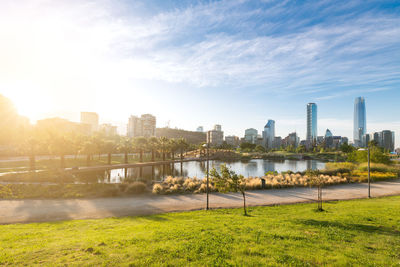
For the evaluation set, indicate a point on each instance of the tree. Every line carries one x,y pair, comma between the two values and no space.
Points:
182,145
247,146
153,145
316,180
125,146
109,147
164,144
346,148
301,149
229,181
173,146
140,143
260,148
88,149
376,156
60,145
31,147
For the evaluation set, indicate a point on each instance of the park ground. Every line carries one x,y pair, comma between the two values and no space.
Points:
356,232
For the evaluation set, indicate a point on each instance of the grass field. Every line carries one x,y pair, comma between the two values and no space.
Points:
360,232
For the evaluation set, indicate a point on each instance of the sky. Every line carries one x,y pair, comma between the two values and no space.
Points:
236,63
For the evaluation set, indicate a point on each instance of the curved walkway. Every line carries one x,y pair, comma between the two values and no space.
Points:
24,211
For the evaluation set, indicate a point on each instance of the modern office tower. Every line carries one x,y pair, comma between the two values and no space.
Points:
232,140
269,134
200,129
215,137
360,121
377,137
366,138
92,119
388,140
328,133
217,127
143,126
250,135
311,123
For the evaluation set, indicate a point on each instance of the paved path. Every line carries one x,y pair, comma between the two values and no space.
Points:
23,211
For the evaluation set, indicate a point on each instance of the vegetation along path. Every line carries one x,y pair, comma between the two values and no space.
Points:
23,211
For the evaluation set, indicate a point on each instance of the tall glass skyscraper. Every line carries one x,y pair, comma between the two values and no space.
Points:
269,134
312,122
360,121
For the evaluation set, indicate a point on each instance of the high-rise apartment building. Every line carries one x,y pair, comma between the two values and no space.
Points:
215,137
311,123
92,119
148,125
217,127
250,135
143,126
360,121
269,134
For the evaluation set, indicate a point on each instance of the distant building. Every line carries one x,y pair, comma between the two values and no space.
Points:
328,133
148,125
388,140
200,129
92,119
312,123
250,135
108,129
269,134
192,137
360,121
232,140
217,127
215,138
291,140
144,126
277,142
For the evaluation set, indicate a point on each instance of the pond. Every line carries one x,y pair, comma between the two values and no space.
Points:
255,168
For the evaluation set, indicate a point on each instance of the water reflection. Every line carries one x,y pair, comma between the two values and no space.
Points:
256,167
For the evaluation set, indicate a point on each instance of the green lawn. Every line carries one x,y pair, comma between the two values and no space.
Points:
360,232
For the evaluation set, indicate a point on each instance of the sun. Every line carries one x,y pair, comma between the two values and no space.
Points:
28,103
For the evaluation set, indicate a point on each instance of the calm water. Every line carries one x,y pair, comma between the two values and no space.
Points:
255,167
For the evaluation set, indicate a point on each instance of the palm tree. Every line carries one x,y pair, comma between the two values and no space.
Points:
109,147
30,147
88,148
182,145
140,143
153,145
164,143
125,146
173,146
60,145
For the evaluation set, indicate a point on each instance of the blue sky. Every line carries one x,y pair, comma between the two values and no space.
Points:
235,63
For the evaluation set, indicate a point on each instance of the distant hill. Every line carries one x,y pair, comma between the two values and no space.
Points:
191,137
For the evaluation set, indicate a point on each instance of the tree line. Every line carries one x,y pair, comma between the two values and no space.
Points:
61,145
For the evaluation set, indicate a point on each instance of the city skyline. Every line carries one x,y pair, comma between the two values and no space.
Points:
128,58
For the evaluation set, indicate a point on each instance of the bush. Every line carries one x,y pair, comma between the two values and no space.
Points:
136,188
157,189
